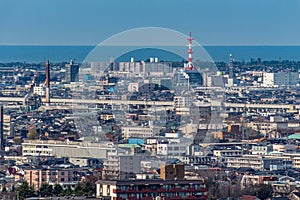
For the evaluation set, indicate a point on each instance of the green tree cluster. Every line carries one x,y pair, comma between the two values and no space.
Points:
80,190
46,190
25,191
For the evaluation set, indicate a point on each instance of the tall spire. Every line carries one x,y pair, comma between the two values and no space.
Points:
47,82
230,66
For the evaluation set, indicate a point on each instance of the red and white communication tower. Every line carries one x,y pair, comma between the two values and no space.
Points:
189,65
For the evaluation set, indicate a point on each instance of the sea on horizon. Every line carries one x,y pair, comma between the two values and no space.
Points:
36,54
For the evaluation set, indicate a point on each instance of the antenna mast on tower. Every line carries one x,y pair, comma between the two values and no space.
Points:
189,65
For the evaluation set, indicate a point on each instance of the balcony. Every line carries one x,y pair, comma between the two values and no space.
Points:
176,190
132,198
202,190
146,191
161,190
191,190
175,197
190,197
147,198
204,197
131,191
117,191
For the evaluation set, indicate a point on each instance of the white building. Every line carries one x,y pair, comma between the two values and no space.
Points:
137,132
66,149
173,147
296,162
255,162
266,127
260,149
228,153
39,90
280,79
133,87
181,101
284,148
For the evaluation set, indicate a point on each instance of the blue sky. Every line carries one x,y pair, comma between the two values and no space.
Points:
88,22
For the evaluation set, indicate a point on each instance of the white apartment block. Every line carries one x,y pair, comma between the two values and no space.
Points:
296,162
254,162
66,149
137,132
262,149
266,127
133,87
180,101
228,153
280,79
39,90
172,149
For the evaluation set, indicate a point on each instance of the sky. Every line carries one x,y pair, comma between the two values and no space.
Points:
88,22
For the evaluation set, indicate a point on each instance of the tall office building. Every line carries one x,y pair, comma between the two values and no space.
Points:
72,72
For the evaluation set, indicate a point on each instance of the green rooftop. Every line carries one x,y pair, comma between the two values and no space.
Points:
294,136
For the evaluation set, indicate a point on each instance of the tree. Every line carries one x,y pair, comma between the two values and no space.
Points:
25,191
33,134
46,190
264,192
4,189
17,140
78,190
49,190
68,191
57,190
89,189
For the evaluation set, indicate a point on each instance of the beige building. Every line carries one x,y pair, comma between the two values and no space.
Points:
63,175
172,172
121,166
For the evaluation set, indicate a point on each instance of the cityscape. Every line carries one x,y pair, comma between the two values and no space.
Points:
149,114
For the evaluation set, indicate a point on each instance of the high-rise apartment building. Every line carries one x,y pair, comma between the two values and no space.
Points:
72,71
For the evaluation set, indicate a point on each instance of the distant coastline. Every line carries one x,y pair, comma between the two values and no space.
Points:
218,53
